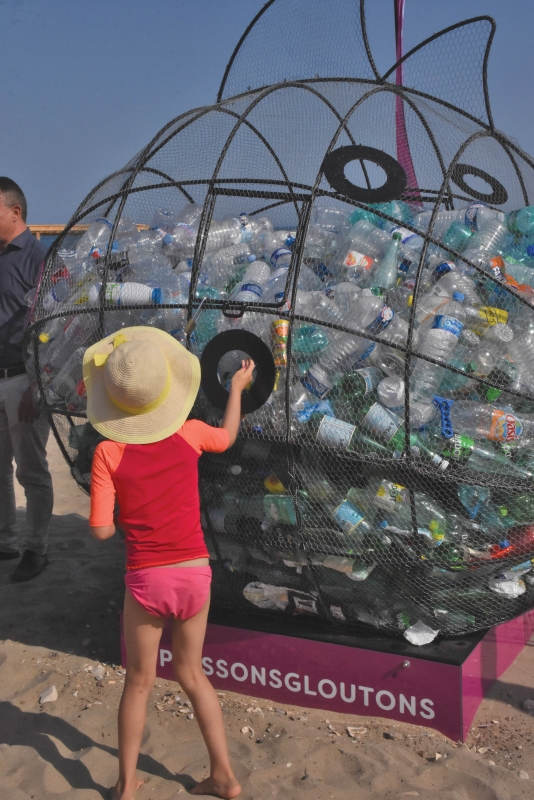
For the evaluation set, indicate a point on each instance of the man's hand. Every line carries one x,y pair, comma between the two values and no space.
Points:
27,410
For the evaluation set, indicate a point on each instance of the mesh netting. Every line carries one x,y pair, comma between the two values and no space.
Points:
378,240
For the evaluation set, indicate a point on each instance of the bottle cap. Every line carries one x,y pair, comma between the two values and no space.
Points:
410,300
382,524
503,511
442,269
505,543
44,338
458,296
396,236
290,240
530,250
493,394
251,258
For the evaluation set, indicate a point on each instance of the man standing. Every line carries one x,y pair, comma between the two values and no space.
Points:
23,432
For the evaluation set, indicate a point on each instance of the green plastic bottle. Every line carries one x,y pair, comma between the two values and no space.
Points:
385,277
377,429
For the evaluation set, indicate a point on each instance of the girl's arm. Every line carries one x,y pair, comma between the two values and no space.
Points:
232,415
102,532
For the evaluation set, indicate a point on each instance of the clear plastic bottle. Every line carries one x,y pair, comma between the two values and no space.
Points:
164,218
366,239
431,302
97,235
320,307
181,242
268,241
251,289
330,218
521,350
439,344
488,241
480,421
67,378
77,333
221,265
472,216
126,294
51,329
391,393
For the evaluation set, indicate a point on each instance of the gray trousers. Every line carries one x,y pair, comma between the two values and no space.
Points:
26,443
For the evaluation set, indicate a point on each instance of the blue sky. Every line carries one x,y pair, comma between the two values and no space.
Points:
86,83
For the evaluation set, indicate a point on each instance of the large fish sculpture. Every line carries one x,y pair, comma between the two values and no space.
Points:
368,240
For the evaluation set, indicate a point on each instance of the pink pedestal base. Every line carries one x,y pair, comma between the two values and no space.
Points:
334,677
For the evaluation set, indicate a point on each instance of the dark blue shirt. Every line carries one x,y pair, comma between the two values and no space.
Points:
20,263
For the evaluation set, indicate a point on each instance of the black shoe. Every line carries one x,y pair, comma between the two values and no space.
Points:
30,565
7,555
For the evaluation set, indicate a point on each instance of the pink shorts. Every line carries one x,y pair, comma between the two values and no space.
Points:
170,591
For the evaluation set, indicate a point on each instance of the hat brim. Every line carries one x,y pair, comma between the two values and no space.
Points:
161,422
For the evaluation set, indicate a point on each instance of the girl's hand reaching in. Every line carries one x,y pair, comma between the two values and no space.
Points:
232,415
243,376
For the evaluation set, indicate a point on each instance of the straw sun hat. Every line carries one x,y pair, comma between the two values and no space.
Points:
141,385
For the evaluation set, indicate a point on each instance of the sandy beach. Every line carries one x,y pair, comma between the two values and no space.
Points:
59,628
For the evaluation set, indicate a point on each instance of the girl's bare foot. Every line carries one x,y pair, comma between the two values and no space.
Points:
225,789
118,793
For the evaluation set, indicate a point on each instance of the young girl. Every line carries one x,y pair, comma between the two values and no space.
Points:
141,385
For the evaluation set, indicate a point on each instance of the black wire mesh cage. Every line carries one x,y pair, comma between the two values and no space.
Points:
366,238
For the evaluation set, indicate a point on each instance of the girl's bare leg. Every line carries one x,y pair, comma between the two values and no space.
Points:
187,642
142,634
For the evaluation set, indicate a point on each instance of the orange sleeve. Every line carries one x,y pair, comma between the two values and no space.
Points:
204,438
105,461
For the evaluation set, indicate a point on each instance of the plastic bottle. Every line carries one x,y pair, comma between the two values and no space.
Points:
375,422
181,241
521,350
346,351
145,244
457,237
394,208
332,219
77,333
479,421
51,329
521,221
76,400
446,283
190,214
253,284
391,392
220,265
487,241
97,235
366,239
439,344
462,451
350,517
226,233
521,508
472,216
67,378
164,218
386,274
126,294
